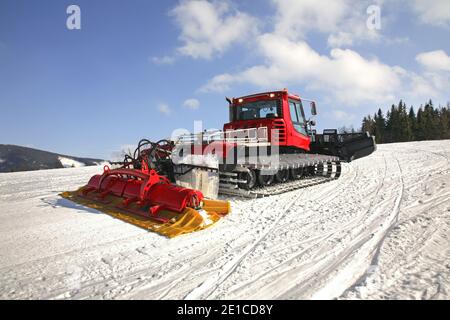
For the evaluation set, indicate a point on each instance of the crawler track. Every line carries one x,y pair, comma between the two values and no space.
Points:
319,168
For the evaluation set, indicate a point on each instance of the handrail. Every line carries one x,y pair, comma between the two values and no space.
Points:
238,135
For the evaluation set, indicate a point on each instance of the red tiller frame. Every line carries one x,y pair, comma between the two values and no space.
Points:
144,189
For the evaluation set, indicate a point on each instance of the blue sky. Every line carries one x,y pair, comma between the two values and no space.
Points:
143,68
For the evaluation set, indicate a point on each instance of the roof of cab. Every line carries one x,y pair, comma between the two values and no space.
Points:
284,91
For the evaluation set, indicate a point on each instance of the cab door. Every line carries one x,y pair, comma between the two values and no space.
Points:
299,137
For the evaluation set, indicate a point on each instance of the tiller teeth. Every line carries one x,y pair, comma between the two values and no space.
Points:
150,201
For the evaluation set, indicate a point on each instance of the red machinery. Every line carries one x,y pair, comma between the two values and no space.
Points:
268,147
151,192
270,141
279,110
139,193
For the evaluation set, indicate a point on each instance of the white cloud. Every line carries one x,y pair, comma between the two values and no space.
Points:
163,60
434,60
209,28
344,75
339,117
343,20
342,115
219,83
340,39
296,18
358,33
435,80
164,108
434,12
191,104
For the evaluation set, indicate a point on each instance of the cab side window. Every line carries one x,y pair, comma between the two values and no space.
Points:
293,112
298,120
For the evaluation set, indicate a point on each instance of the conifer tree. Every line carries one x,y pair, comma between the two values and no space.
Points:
405,124
444,123
380,126
367,125
429,123
393,124
413,124
420,134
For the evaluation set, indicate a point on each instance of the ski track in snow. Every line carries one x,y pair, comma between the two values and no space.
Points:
382,231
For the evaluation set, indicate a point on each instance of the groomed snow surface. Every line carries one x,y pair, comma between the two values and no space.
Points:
382,231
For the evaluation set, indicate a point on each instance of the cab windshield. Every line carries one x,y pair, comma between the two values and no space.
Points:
258,110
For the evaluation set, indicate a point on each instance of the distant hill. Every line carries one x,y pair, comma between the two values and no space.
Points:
16,158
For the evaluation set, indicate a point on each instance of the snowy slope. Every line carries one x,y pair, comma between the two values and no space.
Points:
381,231
17,158
70,163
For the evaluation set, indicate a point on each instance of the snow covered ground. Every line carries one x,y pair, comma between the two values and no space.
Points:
70,163
382,231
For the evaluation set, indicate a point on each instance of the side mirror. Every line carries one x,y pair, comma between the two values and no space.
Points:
312,122
313,108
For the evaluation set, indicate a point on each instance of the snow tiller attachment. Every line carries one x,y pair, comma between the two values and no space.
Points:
139,194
